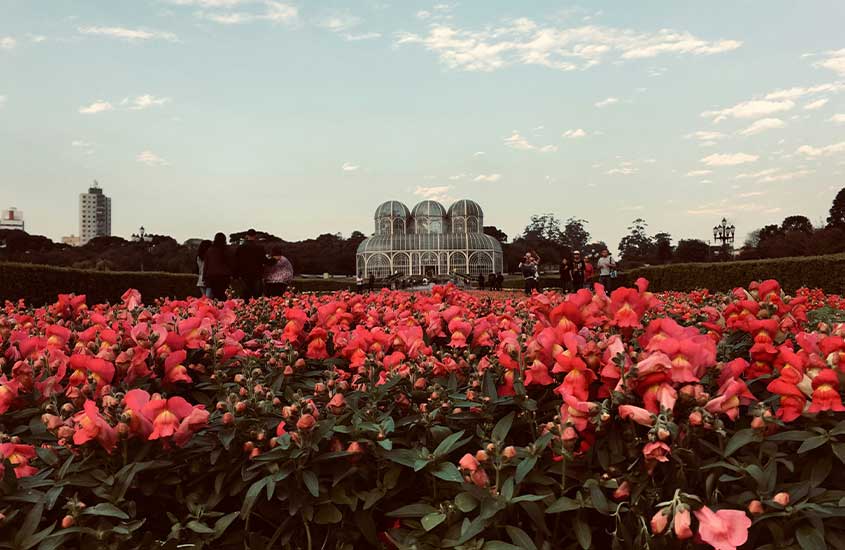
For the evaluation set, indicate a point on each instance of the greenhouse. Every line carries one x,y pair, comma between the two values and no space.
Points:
429,241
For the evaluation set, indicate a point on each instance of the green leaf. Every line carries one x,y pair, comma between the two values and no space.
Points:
432,520
223,523
328,514
107,510
527,498
563,504
199,527
839,429
448,444
466,502
809,538
583,532
405,457
741,439
48,456
839,451
503,426
507,489
598,498
251,496
812,443
520,538
311,482
448,472
524,468
791,435
499,545
30,522
412,510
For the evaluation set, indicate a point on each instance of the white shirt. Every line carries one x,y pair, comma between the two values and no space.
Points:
605,265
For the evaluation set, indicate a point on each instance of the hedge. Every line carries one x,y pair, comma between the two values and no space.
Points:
39,284
824,272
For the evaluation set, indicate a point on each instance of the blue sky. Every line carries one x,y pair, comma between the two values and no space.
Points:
299,118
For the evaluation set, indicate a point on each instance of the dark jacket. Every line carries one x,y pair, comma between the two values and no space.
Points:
216,263
250,260
565,272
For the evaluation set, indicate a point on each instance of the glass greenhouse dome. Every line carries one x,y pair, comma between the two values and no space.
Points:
429,241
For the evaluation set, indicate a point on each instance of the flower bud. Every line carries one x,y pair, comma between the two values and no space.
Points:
509,452
659,521
305,422
695,418
781,498
623,491
682,523
755,507
67,522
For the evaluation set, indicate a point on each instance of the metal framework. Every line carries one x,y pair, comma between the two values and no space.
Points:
429,241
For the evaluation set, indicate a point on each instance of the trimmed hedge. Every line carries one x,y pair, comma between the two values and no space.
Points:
824,272
39,284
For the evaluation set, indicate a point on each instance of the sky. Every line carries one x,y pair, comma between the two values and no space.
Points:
300,117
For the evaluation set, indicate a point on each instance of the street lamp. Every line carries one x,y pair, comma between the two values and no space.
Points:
724,233
143,237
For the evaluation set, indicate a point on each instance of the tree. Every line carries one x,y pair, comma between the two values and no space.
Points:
796,223
636,245
575,235
767,233
593,250
543,227
496,233
692,250
663,242
837,211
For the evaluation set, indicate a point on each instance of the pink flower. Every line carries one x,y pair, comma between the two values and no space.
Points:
681,523
637,414
723,530
90,425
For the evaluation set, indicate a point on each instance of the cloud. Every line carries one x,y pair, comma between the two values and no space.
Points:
150,159
759,126
7,43
706,138
815,152
80,143
817,104
755,175
275,12
837,118
698,173
785,176
606,102
524,41
750,194
362,36
145,101
835,61
438,193
729,159
490,178
799,92
349,167
750,109
625,168
37,38
340,22
210,3
479,154
518,142
130,35
574,134
99,106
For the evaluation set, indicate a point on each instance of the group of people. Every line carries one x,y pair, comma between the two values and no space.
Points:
575,273
494,281
258,272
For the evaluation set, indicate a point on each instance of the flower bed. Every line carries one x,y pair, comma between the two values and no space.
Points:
441,420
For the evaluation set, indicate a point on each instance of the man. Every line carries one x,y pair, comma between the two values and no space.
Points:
250,261
606,267
579,268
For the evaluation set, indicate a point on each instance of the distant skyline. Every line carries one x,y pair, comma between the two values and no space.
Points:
299,118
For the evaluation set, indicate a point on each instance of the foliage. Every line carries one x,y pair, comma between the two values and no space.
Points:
637,244
496,233
575,234
441,420
692,250
837,211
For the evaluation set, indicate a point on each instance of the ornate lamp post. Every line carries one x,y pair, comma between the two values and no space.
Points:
724,233
143,237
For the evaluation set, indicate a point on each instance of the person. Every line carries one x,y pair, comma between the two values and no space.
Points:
529,268
588,273
579,268
500,281
372,281
201,252
491,281
279,274
606,267
480,281
251,261
216,268
565,272
359,284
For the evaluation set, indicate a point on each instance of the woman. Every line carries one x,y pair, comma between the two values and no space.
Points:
579,268
530,272
565,275
217,270
201,252
279,274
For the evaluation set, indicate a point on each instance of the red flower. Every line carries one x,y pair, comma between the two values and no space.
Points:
19,456
166,415
637,414
174,370
723,530
538,374
90,425
826,393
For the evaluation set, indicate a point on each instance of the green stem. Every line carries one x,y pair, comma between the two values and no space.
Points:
307,532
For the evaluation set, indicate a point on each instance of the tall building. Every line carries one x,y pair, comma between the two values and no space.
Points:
94,214
12,218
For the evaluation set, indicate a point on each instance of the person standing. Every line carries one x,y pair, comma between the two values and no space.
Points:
480,281
588,273
500,281
359,284
201,252
565,272
491,281
529,268
216,269
279,274
606,267
579,268
251,261
372,281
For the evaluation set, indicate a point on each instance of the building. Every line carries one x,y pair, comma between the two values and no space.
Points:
71,240
429,241
12,218
94,214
